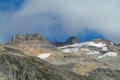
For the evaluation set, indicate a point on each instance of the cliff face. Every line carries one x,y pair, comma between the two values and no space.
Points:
21,38
35,40
72,40
15,65
32,44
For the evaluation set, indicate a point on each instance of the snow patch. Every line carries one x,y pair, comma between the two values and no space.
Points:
112,54
99,45
85,49
104,49
69,50
112,43
90,52
44,55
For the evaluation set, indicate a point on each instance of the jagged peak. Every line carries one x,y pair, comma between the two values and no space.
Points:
72,40
30,40
27,37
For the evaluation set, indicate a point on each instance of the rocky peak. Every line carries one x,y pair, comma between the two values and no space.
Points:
105,41
28,37
31,43
72,40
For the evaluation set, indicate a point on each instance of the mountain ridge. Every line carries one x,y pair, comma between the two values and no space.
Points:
82,58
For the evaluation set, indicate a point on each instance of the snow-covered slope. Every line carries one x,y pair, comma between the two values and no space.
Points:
79,45
73,47
91,48
85,57
112,54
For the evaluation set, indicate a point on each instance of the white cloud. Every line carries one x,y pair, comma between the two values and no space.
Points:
102,16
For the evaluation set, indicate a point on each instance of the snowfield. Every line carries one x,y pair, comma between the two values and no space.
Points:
69,50
104,48
111,54
85,46
91,43
44,55
90,52
99,45
77,46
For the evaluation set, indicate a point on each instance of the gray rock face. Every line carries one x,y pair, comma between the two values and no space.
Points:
117,45
28,37
32,40
14,65
71,40
105,74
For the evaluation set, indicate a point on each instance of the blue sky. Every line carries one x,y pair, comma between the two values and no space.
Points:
59,19
7,5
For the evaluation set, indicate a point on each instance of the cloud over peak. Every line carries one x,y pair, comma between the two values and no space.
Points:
72,16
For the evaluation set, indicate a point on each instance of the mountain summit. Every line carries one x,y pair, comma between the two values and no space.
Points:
70,41
31,44
24,38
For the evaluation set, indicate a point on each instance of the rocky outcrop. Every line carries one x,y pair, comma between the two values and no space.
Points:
106,41
31,40
117,45
15,65
71,40
105,74
23,38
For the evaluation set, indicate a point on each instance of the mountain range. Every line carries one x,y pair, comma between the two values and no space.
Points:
32,57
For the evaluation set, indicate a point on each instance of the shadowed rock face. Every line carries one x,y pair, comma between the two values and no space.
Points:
14,65
117,45
71,40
